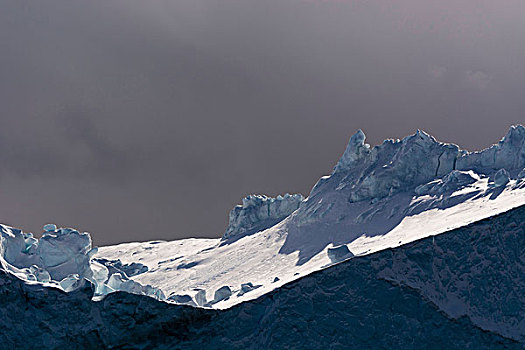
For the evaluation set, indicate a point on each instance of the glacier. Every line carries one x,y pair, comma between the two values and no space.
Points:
400,165
424,222
462,289
63,258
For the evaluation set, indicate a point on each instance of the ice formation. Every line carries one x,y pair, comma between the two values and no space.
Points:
394,166
247,287
454,181
339,253
376,199
501,178
119,282
357,149
508,154
182,299
62,258
200,297
401,165
258,212
221,294
128,270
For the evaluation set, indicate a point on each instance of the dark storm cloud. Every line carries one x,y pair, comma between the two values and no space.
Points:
92,152
139,120
78,149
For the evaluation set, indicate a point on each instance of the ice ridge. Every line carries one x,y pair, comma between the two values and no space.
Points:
402,165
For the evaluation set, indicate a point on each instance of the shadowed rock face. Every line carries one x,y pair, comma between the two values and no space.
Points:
459,290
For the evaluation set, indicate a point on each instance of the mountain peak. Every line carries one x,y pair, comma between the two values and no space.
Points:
377,198
355,150
400,165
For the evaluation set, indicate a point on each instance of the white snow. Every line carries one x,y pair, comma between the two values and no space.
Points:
369,203
376,198
259,258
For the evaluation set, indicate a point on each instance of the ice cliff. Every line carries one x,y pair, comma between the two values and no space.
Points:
258,212
62,259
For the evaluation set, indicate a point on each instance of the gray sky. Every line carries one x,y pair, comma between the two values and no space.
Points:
140,120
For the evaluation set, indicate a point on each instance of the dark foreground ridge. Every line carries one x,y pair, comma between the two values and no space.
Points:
383,300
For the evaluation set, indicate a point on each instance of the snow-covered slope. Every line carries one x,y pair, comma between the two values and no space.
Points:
376,198
377,201
459,290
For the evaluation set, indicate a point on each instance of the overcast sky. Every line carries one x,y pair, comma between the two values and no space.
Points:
141,120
